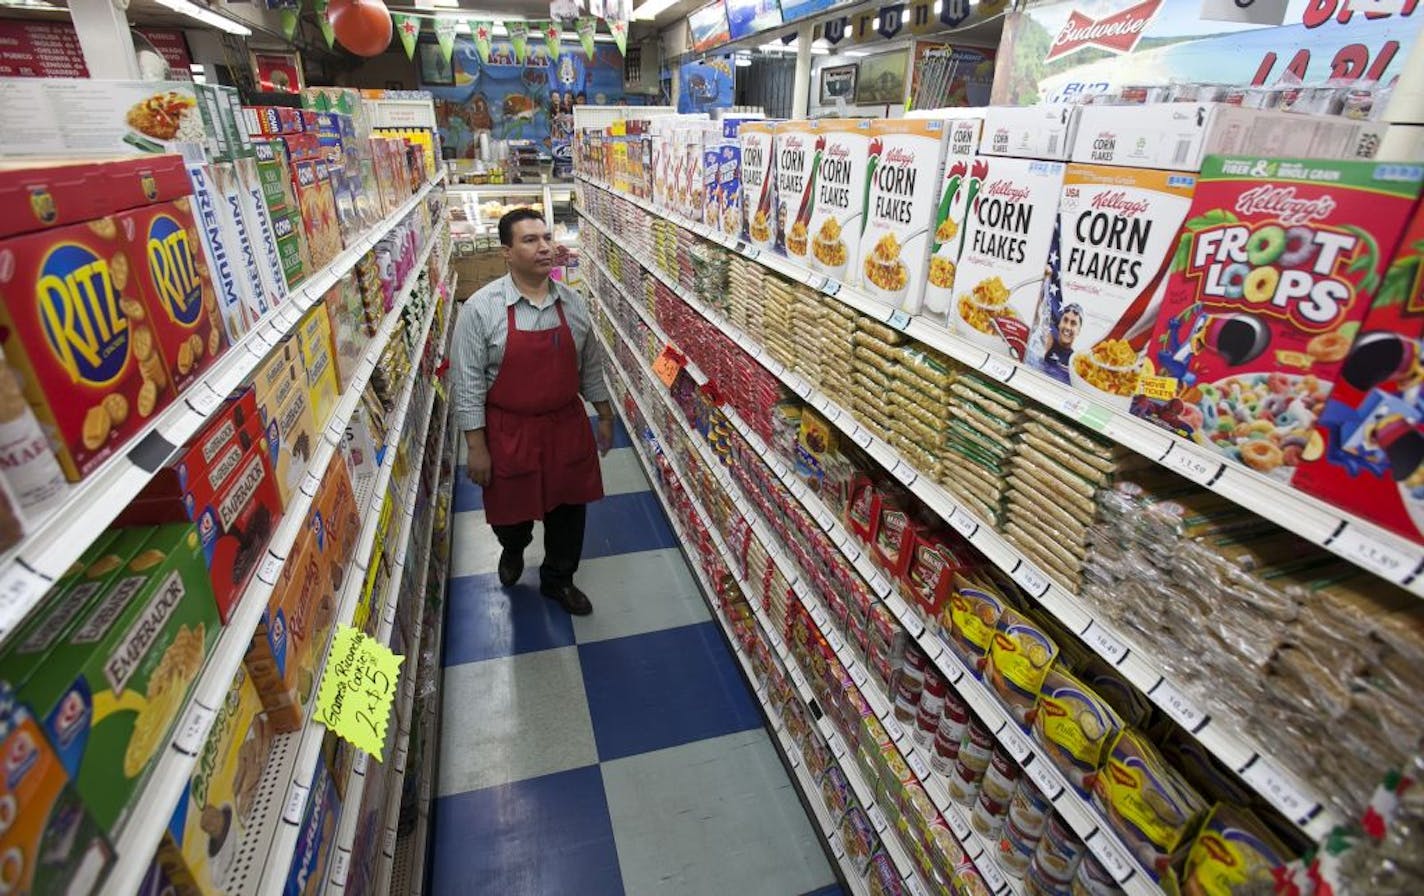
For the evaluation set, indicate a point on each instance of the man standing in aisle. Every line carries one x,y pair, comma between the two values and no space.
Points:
524,352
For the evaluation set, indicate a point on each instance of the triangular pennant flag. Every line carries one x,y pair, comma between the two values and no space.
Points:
587,27
834,31
290,18
889,19
620,35
518,39
551,38
408,27
482,32
445,36
324,23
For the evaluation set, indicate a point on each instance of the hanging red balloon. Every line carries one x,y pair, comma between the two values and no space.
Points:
362,26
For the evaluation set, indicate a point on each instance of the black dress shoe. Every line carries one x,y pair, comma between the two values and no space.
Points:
569,597
511,567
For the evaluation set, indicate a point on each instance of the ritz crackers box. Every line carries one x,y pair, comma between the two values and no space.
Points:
1367,452
1276,267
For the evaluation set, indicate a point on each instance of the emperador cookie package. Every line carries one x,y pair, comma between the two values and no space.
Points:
1276,266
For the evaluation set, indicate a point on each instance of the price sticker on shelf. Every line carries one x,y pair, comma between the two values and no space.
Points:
19,590
1106,646
858,675
270,568
798,490
1379,558
1183,711
904,472
917,765
296,804
836,848
360,763
957,825
989,870
1279,792
834,639
1194,465
898,319
832,288
338,867
879,585
1031,579
358,689
825,520
310,483
860,437
192,733
1044,779
893,728
202,399
1110,855
877,818
912,883
1013,740
963,523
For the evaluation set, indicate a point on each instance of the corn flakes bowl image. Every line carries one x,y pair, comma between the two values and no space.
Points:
830,256
760,228
886,280
976,309
796,239
1108,372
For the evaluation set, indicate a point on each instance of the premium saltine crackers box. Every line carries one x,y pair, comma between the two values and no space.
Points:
906,158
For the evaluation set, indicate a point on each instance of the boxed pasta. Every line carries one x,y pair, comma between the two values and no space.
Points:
1010,230
758,170
795,164
1117,236
1276,266
835,218
963,177
896,233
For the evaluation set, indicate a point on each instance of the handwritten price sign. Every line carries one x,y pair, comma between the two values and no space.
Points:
358,688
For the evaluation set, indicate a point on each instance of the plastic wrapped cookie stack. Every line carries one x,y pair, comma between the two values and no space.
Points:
664,245
875,356
806,316
984,421
709,276
778,321
921,385
1054,479
745,300
835,349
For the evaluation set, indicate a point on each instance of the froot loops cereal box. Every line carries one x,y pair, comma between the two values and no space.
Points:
904,174
1117,230
1276,265
1001,269
1367,452
835,217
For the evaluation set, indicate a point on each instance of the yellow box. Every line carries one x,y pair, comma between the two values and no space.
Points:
314,333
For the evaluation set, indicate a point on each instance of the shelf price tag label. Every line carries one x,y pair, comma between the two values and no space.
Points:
296,803
1367,551
832,288
917,765
1192,464
989,870
1270,783
1183,711
1043,779
963,523
19,590
877,818
190,736
912,883
1013,741
358,689
1111,857
338,868
202,399
858,675
1105,644
999,368
834,639
270,569
1031,579
893,728
957,825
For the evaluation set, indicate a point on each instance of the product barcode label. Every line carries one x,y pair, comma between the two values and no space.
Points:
1200,469
1108,647
296,804
1270,783
999,368
1031,579
898,319
1367,551
1111,857
963,523
1044,779
917,765
1183,711
19,590
193,732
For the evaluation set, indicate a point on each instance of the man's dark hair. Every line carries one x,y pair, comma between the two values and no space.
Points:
506,223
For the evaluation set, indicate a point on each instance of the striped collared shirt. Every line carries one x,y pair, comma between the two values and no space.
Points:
480,333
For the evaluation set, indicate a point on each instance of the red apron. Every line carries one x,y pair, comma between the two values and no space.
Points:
542,451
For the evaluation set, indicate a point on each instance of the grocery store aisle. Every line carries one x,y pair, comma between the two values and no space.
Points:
616,753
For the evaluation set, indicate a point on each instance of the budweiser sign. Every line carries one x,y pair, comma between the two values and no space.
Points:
1117,33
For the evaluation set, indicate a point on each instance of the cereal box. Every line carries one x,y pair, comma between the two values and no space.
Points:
108,695
712,184
199,849
50,842
314,332
1365,454
1117,231
795,161
1275,268
962,181
179,310
1030,132
904,173
92,378
318,208
729,183
758,171
1000,273
836,215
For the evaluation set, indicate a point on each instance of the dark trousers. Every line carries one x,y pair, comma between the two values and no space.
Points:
563,543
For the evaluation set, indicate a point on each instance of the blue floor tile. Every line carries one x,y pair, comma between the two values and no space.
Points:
832,890
469,496
623,524
665,688
486,621
530,838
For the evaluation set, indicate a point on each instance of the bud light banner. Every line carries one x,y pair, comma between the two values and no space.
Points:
1057,51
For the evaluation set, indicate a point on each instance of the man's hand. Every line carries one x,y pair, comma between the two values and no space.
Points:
477,465
605,435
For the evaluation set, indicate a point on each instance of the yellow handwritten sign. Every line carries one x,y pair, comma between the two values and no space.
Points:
357,689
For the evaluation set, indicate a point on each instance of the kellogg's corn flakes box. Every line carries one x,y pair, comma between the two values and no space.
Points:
1276,265
962,178
836,216
794,143
758,183
1117,234
904,172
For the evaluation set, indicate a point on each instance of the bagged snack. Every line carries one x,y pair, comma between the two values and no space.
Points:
1020,655
1148,803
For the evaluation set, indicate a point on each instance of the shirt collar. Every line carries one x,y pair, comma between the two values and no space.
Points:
512,295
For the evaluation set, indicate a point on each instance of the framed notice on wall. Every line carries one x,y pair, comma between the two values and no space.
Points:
277,72
837,83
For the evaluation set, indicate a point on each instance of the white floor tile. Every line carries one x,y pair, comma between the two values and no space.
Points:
474,550
636,593
513,718
712,817
622,473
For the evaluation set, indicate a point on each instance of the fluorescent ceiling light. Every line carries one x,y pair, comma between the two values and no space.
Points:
206,16
857,52
29,4
905,16
446,4
651,9
820,51
743,61
938,5
820,43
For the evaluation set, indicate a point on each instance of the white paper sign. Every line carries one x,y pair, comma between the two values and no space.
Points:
1250,12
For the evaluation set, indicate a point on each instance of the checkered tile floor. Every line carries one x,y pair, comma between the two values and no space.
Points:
616,753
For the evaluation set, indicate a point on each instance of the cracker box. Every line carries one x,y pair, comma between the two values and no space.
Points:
199,849
292,247
347,314
729,181
1117,234
963,178
257,223
1277,264
906,159
1000,272
316,839
229,197
292,437
1366,452
314,335
109,694
51,843
1030,132
794,143
278,658
37,194
179,307
835,217
92,377
220,248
